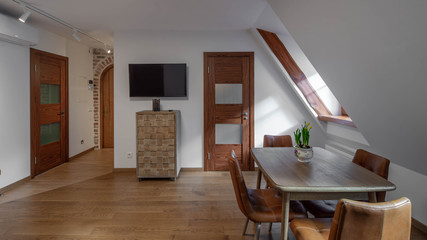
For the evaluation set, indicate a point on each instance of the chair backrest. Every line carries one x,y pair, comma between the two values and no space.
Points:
354,220
239,185
374,163
277,141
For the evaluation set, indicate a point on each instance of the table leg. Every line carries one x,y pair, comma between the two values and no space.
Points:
372,197
285,215
258,180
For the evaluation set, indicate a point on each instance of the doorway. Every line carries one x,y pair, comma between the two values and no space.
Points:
228,109
49,110
107,107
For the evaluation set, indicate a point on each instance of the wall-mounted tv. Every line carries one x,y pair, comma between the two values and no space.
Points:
158,80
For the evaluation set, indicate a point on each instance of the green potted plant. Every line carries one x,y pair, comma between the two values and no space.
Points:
303,151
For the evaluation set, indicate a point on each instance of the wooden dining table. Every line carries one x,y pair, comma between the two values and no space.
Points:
326,176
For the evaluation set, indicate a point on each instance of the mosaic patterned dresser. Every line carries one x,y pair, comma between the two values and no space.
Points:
157,144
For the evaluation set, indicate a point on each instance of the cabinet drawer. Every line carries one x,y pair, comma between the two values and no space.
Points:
156,155
155,120
155,148
156,172
164,132
156,145
157,166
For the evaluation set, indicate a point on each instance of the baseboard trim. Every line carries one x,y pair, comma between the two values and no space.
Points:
191,169
120,170
419,225
81,154
15,184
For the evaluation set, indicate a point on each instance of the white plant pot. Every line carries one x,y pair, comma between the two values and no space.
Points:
303,154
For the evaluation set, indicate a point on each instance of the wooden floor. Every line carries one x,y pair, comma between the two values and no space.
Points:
88,166
83,199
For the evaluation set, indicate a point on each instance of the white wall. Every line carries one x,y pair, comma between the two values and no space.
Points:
372,56
276,108
50,42
80,104
15,113
268,20
411,185
15,102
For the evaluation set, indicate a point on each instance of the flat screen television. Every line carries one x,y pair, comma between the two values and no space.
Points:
158,80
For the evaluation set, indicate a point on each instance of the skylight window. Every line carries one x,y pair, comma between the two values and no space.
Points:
317,94
328,98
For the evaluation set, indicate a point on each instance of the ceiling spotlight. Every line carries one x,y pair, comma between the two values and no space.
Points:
25,15
76,36
26,8
107,49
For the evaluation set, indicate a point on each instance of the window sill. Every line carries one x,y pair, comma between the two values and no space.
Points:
343,120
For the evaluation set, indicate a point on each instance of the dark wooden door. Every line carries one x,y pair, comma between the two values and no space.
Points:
49,110
228,109
107,108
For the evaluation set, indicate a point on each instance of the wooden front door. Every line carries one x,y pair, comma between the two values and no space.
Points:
228,109
49,110
107,108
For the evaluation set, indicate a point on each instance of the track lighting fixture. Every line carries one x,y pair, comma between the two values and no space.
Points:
76,32
76,36
25,15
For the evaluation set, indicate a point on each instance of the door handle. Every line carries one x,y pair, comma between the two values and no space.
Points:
245,114
245,118
61,113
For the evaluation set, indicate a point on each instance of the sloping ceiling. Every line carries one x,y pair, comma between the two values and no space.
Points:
372,55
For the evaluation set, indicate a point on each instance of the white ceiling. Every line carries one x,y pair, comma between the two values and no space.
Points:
100,18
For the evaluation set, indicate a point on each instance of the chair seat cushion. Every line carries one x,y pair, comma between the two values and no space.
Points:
267,206
313,229
321,208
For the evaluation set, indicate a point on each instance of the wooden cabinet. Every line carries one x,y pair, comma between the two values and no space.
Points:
157,144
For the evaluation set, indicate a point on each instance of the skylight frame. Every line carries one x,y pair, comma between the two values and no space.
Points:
302,83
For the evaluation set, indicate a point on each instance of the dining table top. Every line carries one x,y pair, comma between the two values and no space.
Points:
326,172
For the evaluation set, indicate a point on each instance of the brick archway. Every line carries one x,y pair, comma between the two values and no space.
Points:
101,61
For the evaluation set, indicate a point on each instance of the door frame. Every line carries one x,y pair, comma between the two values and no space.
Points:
101,106
35,113
206,55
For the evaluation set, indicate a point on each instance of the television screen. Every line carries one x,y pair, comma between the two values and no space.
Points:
158,80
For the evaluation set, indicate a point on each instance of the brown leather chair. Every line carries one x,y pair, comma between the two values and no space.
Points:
370,161
355,220
260,205
276,141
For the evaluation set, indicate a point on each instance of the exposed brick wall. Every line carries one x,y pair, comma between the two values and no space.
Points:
101,60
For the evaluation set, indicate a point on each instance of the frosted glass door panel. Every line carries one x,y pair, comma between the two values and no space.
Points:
50,93
50,133
228,133
228,93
